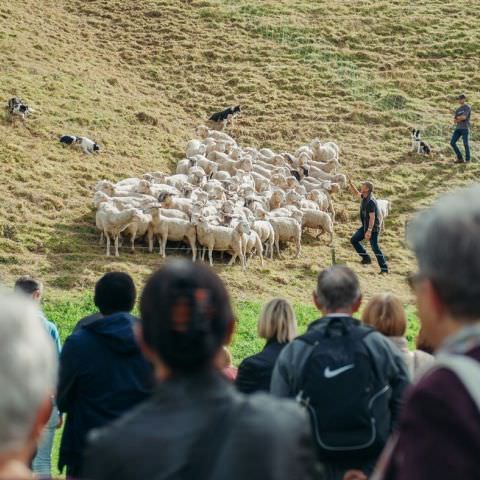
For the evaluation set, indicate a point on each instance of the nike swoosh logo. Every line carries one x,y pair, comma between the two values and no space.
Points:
333,373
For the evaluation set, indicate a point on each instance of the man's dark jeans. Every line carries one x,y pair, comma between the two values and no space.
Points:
358,237
460,132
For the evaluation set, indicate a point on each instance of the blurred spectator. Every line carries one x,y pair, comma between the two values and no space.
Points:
278,325
197,426
28,373
102,370
42,462
225,364
423,343
386,314
439,431
349,377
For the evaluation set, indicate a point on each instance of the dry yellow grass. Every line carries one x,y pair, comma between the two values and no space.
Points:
139,76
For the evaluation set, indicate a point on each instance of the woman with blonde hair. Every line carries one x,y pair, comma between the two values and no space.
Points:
278,325
386,314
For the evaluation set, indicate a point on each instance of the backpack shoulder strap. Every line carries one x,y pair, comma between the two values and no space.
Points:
467,371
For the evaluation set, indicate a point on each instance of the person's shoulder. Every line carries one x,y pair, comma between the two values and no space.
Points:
281,415
423,357
52,328
380,342
251,361
107,437
441,384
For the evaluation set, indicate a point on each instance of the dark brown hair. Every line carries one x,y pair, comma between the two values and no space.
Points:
186,315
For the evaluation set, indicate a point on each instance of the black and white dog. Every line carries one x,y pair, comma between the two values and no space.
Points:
226,116
88,146
16,107
418,145
69,139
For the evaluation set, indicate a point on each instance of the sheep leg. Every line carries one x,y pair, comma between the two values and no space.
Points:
298,244
116,245
260,253
164,246
101,239
244,263
210,255
233,259
193,246
271,250
132,242
277,244
107,236
150,240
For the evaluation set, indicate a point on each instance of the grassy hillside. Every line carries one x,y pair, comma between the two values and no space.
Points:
139,76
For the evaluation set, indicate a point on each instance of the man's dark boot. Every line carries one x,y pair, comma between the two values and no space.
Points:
366,261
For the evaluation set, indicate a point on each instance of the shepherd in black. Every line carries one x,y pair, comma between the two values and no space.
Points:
370,229
349,377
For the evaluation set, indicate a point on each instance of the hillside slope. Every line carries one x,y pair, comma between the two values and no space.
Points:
139,76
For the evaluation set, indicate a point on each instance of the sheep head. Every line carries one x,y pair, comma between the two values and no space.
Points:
202,131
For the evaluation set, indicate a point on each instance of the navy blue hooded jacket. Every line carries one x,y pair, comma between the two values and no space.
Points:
102,375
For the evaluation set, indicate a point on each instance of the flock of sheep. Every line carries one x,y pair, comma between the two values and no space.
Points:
225,198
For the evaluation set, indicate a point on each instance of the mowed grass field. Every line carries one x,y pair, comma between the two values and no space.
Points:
139,76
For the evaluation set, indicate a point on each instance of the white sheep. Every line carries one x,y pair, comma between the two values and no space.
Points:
266,233
174,229
183,166
287,229
204,132
254,244
317,220
183,204
195,147
213,237
111,222
322,152
384,207
138,228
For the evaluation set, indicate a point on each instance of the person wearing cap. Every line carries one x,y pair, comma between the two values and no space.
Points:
370,229
461,120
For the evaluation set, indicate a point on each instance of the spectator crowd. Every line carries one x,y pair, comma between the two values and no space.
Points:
158,397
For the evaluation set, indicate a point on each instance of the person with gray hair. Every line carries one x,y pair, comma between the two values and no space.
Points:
28,375
439,429
349,377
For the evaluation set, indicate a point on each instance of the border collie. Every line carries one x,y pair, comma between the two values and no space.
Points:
17,107
69,139
226,115
88,146
418,145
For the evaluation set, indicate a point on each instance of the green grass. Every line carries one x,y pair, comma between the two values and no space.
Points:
66,312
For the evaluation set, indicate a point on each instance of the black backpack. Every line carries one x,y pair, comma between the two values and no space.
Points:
339,386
